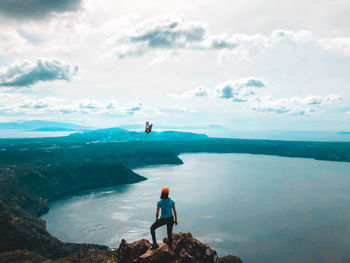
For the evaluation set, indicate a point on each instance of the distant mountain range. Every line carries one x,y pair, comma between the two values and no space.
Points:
40,128
39,125
169,127
119,134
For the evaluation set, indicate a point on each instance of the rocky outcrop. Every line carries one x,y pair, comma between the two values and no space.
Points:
185,249
230,259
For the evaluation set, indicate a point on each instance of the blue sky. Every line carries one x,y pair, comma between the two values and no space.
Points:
246,65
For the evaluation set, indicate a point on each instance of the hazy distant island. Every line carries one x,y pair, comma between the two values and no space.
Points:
35,171
41,125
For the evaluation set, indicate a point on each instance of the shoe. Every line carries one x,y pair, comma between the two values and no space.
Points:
154,246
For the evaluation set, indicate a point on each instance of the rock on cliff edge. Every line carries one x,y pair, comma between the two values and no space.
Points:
185,249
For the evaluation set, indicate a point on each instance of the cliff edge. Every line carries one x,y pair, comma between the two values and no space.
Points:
185,249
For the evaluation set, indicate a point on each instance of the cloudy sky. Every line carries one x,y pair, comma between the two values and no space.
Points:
243,64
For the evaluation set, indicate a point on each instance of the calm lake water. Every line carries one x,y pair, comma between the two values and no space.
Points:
261,208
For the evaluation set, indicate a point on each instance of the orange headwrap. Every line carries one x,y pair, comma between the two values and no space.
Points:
165,190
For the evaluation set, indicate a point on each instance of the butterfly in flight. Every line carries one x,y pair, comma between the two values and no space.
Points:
148,127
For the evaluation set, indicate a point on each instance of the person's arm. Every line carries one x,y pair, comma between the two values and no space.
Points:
157,214
174,208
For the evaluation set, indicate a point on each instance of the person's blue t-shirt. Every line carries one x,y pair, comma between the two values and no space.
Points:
166,206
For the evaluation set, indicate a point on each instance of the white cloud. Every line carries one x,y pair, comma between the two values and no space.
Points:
110,107
316,100
272,105
178,109
19,103
245,90
294,105
43,103
340,45
291,36
4,97
258,42
26,73
159,33
178,33
11,41
90,105
245,46
240,90
200,91
133,107
63,34
165,35
68,32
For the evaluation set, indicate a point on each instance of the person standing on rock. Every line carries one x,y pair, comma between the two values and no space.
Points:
166,218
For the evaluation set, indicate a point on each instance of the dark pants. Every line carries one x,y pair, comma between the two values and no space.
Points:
169,222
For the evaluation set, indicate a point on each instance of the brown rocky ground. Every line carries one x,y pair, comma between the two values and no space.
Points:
185,249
